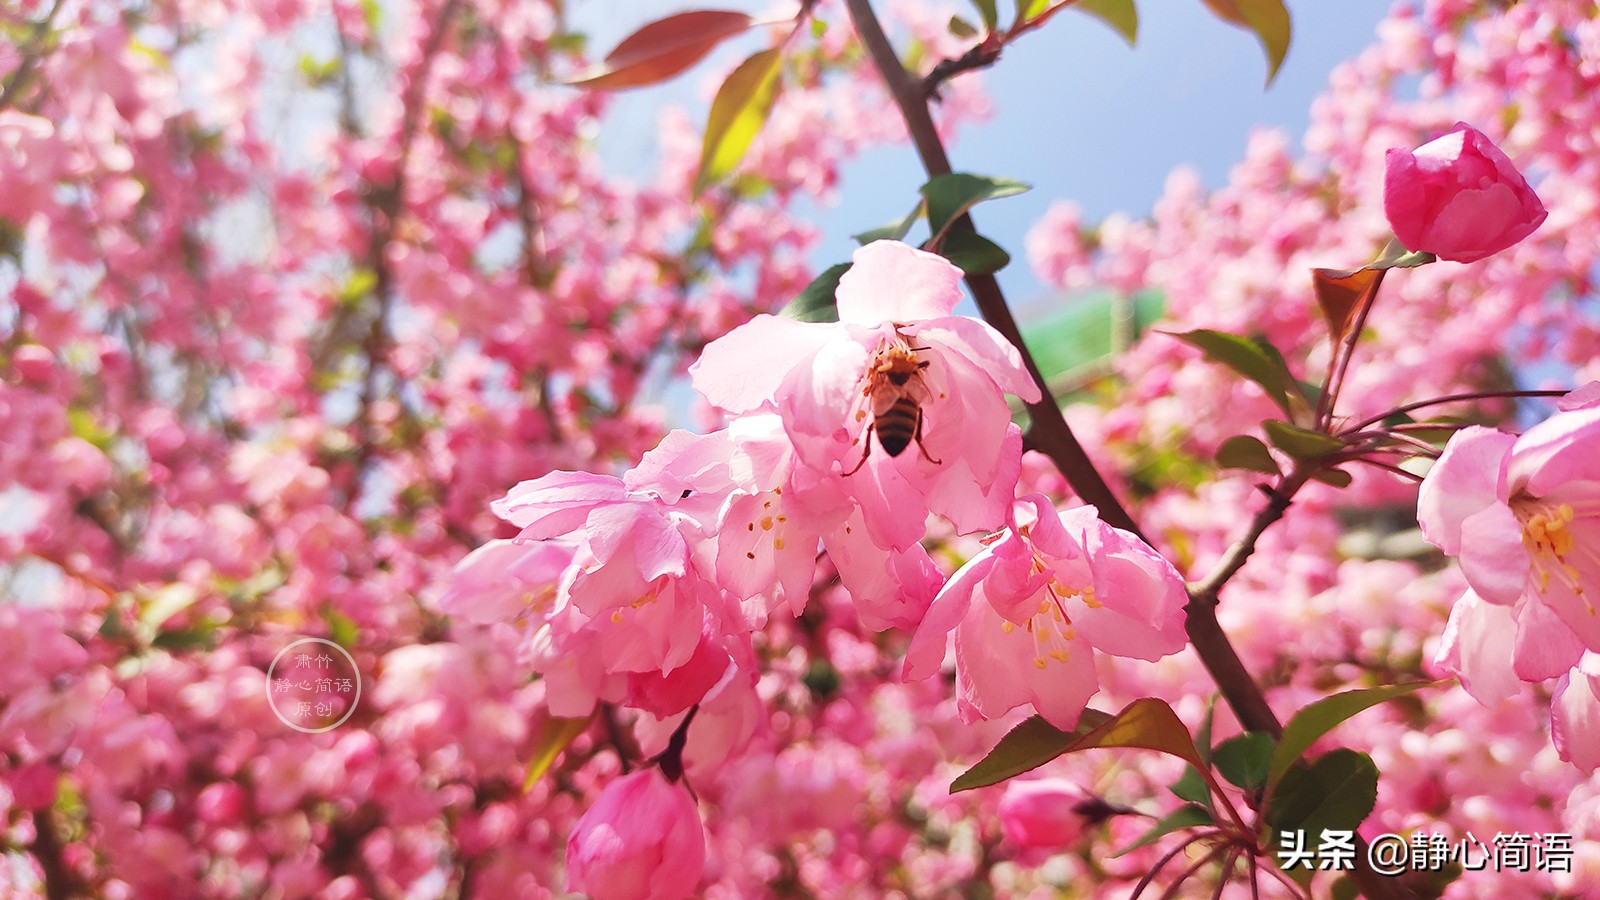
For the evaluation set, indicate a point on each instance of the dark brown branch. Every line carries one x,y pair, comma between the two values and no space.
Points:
981,56
386,204
1047,430
60,882
1211,644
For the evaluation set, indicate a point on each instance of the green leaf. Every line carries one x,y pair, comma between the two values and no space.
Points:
197,637
1243,759
740,109
1248,357
1245,452
1202,735
951,196
973,253
1187,816
1145,724
1121,15
1316,720
1027,9
554,737
1268,19
1191,786
961,28
663,48
358,285
165,602
81,422
1300,443
1339,478
821,678
987,14
894,231
816,303
342,629
1335,793
1024,748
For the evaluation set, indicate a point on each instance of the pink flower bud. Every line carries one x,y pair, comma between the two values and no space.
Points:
35,364
220,803
1046,814
641,840
1458,197
33,785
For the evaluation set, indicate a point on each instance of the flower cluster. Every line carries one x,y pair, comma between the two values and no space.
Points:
1522,516
643,591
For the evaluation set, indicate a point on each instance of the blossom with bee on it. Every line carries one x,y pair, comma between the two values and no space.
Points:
900,402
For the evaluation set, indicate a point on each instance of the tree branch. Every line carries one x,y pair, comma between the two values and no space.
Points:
1047,430
32,55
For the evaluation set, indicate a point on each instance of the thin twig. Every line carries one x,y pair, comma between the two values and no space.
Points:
1169,856
30,58
1186,874
1452,398
386,205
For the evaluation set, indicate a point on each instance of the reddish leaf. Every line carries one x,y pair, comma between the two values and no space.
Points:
664,48
1343,294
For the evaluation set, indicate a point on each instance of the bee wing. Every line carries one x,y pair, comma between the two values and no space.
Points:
917,389
884,396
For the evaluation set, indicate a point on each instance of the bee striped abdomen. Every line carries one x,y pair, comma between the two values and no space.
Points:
897,425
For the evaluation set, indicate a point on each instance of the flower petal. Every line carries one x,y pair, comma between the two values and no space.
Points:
1545,647
1492,556
743,369
1575,721
893,282
1478,643
983,347
1465,479
1555,452
949,609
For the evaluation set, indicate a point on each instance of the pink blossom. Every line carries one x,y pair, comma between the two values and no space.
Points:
1458,197
641,840
1575,714
1044,814
896,348
1522,516
1030,609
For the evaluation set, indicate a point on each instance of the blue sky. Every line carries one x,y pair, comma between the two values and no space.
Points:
1078,114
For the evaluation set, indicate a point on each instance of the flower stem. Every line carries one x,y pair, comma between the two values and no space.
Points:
1449,398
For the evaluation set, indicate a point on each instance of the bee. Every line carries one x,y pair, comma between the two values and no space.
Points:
894,391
